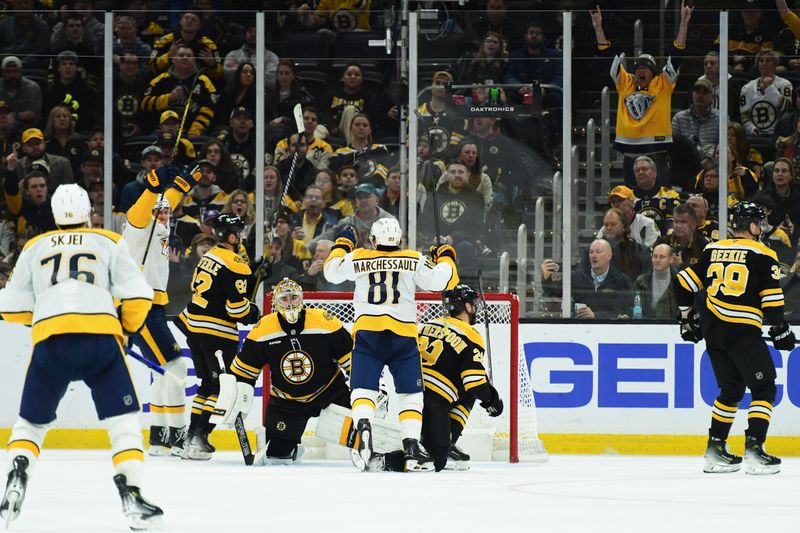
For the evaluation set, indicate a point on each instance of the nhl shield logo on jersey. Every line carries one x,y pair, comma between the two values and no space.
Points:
638,104
297,367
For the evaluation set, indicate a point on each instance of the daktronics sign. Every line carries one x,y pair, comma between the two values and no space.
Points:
591,372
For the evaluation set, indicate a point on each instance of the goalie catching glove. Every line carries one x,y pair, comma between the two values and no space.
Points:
690,327
782,336
234,397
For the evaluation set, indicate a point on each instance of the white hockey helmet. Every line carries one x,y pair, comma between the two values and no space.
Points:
386,232
71,206
161,203
288,298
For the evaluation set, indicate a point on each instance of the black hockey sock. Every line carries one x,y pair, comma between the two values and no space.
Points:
721,420
758,418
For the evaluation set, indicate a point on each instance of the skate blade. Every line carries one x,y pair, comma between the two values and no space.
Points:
193,455
716,468
176,452
762,470
460,466
137,523
158,451
12,512
412,465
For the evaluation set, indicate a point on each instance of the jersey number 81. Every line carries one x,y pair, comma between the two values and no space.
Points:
378,290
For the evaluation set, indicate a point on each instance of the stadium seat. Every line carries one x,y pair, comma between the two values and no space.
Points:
315,82
307,49
132,148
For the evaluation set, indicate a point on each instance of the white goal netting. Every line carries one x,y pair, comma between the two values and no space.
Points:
514,434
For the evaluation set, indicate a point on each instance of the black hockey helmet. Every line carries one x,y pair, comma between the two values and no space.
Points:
455,300
226,224
745,213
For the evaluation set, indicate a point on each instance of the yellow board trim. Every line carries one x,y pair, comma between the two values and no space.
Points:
555,443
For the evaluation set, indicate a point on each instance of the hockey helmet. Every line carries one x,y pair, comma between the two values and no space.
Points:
745,213
161,203
288,299
386,232
227,224
71,206
456,299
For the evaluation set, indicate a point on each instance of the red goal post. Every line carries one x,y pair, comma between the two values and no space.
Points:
514,434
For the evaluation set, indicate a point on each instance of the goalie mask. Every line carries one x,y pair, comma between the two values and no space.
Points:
288,300
456,299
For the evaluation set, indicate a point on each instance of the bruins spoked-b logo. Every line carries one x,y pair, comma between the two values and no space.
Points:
297,367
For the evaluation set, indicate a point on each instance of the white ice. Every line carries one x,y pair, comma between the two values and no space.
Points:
72,491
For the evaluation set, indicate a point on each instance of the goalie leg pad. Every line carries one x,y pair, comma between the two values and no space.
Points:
336,425
234,397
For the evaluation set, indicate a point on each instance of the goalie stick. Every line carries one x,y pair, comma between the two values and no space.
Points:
238,424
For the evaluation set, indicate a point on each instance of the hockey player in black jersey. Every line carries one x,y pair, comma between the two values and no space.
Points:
740,276
308,352
221,284
454,376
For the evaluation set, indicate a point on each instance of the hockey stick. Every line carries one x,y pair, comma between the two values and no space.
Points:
486,325
445,314
238,424
298,122
145,361
175,151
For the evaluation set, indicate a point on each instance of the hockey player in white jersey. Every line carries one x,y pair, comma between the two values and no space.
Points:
147,234
385,329
64,285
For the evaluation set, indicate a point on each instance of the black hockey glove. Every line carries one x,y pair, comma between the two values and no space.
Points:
494,406
690,327
782,336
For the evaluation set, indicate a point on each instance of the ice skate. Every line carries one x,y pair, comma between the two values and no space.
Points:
363,454
457,459
177,440
197,446
159,441
719,460
416,457
757,461
15,490
140,513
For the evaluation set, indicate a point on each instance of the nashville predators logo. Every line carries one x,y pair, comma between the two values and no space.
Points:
638,104
297,367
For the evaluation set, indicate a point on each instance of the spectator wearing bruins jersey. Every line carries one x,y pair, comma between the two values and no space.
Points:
180,86
766,99
188,34
445,128
741,278
644,109
221,284
307,352
652,199
687,243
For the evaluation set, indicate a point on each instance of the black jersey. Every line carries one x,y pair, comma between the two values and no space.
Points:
452,360
220,286
304,358
741,280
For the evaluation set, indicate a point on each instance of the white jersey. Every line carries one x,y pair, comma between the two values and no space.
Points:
761,111
67,281
386,283
156,267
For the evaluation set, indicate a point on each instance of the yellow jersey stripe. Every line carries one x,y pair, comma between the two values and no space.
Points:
127,455
23,444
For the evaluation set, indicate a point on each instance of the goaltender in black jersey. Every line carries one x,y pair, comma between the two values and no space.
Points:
308,353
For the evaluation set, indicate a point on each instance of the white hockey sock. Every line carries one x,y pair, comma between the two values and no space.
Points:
363,402
126,447
26,440
157,417
410,415
173,392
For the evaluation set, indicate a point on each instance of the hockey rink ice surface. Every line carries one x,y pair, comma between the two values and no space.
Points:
72,491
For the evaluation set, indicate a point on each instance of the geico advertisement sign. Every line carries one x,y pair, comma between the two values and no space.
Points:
631,366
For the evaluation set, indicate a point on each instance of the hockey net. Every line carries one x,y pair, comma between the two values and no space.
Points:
514,433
